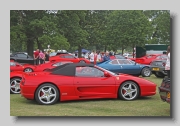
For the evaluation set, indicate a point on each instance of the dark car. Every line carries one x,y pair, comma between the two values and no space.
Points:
158,68
22,58
164,90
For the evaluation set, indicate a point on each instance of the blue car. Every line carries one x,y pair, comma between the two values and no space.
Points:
126,66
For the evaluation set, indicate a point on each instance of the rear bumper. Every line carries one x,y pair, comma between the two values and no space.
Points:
161,69
27,91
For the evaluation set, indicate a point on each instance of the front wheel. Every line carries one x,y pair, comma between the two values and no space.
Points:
146,72
128,90
47,94
28,70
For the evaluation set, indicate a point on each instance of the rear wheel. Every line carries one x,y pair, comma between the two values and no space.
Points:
146,72
47,94
15,85
159,74
82,61
128,90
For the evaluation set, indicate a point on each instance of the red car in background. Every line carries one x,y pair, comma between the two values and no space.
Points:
149,58
67,57
14,66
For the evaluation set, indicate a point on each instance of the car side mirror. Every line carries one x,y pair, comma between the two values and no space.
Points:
27,56
17,65
106,74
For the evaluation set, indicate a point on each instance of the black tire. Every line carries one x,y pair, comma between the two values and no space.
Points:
28,69
82,61
44,101
146,72
159,75
15,85
134,91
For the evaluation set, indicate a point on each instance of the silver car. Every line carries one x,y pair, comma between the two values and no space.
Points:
158,68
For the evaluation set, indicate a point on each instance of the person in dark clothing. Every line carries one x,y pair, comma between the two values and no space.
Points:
46,57
36,57
106,57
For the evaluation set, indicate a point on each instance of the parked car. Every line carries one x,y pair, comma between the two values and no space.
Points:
70,82
67,57
164,90
158,68
149,58
14,66
15,79
21,57
126,66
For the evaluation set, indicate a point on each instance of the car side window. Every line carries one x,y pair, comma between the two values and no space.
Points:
69,57
12,64
114,62
21,55
88,72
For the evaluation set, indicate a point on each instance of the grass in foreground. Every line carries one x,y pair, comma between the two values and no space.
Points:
146,106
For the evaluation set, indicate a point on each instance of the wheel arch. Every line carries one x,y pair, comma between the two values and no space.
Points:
47,83
15,77
126,81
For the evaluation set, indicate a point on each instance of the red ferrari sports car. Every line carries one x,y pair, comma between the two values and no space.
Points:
15,79
14,66
68,57
149,58
79,81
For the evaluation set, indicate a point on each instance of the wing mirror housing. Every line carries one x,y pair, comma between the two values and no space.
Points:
106,74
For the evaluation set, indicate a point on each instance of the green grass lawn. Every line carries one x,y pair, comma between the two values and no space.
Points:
146,106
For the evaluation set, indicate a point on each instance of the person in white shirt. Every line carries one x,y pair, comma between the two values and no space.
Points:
99,58
167,66
91,57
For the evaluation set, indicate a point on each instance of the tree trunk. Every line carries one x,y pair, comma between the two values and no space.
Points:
30,47
39,45
133,50
105,48
79,51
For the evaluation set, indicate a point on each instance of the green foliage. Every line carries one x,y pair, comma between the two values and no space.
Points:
91,29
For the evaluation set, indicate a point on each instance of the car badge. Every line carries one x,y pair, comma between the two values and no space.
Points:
117,78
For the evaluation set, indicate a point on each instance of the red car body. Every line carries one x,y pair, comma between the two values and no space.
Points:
149,58
68,57
35,68
15,79
70,82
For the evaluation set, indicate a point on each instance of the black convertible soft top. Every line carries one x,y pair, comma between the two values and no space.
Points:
69,69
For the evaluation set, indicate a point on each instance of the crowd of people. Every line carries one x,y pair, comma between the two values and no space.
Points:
40,57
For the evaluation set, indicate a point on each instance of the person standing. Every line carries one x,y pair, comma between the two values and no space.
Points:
99,58
167,66
41,57
46,57
91,57
106,57
36,57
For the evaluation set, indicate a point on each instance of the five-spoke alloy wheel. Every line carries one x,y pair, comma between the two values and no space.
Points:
47,94
128,90
15,85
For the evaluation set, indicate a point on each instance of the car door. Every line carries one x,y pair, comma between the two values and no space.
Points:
90,82
129,67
